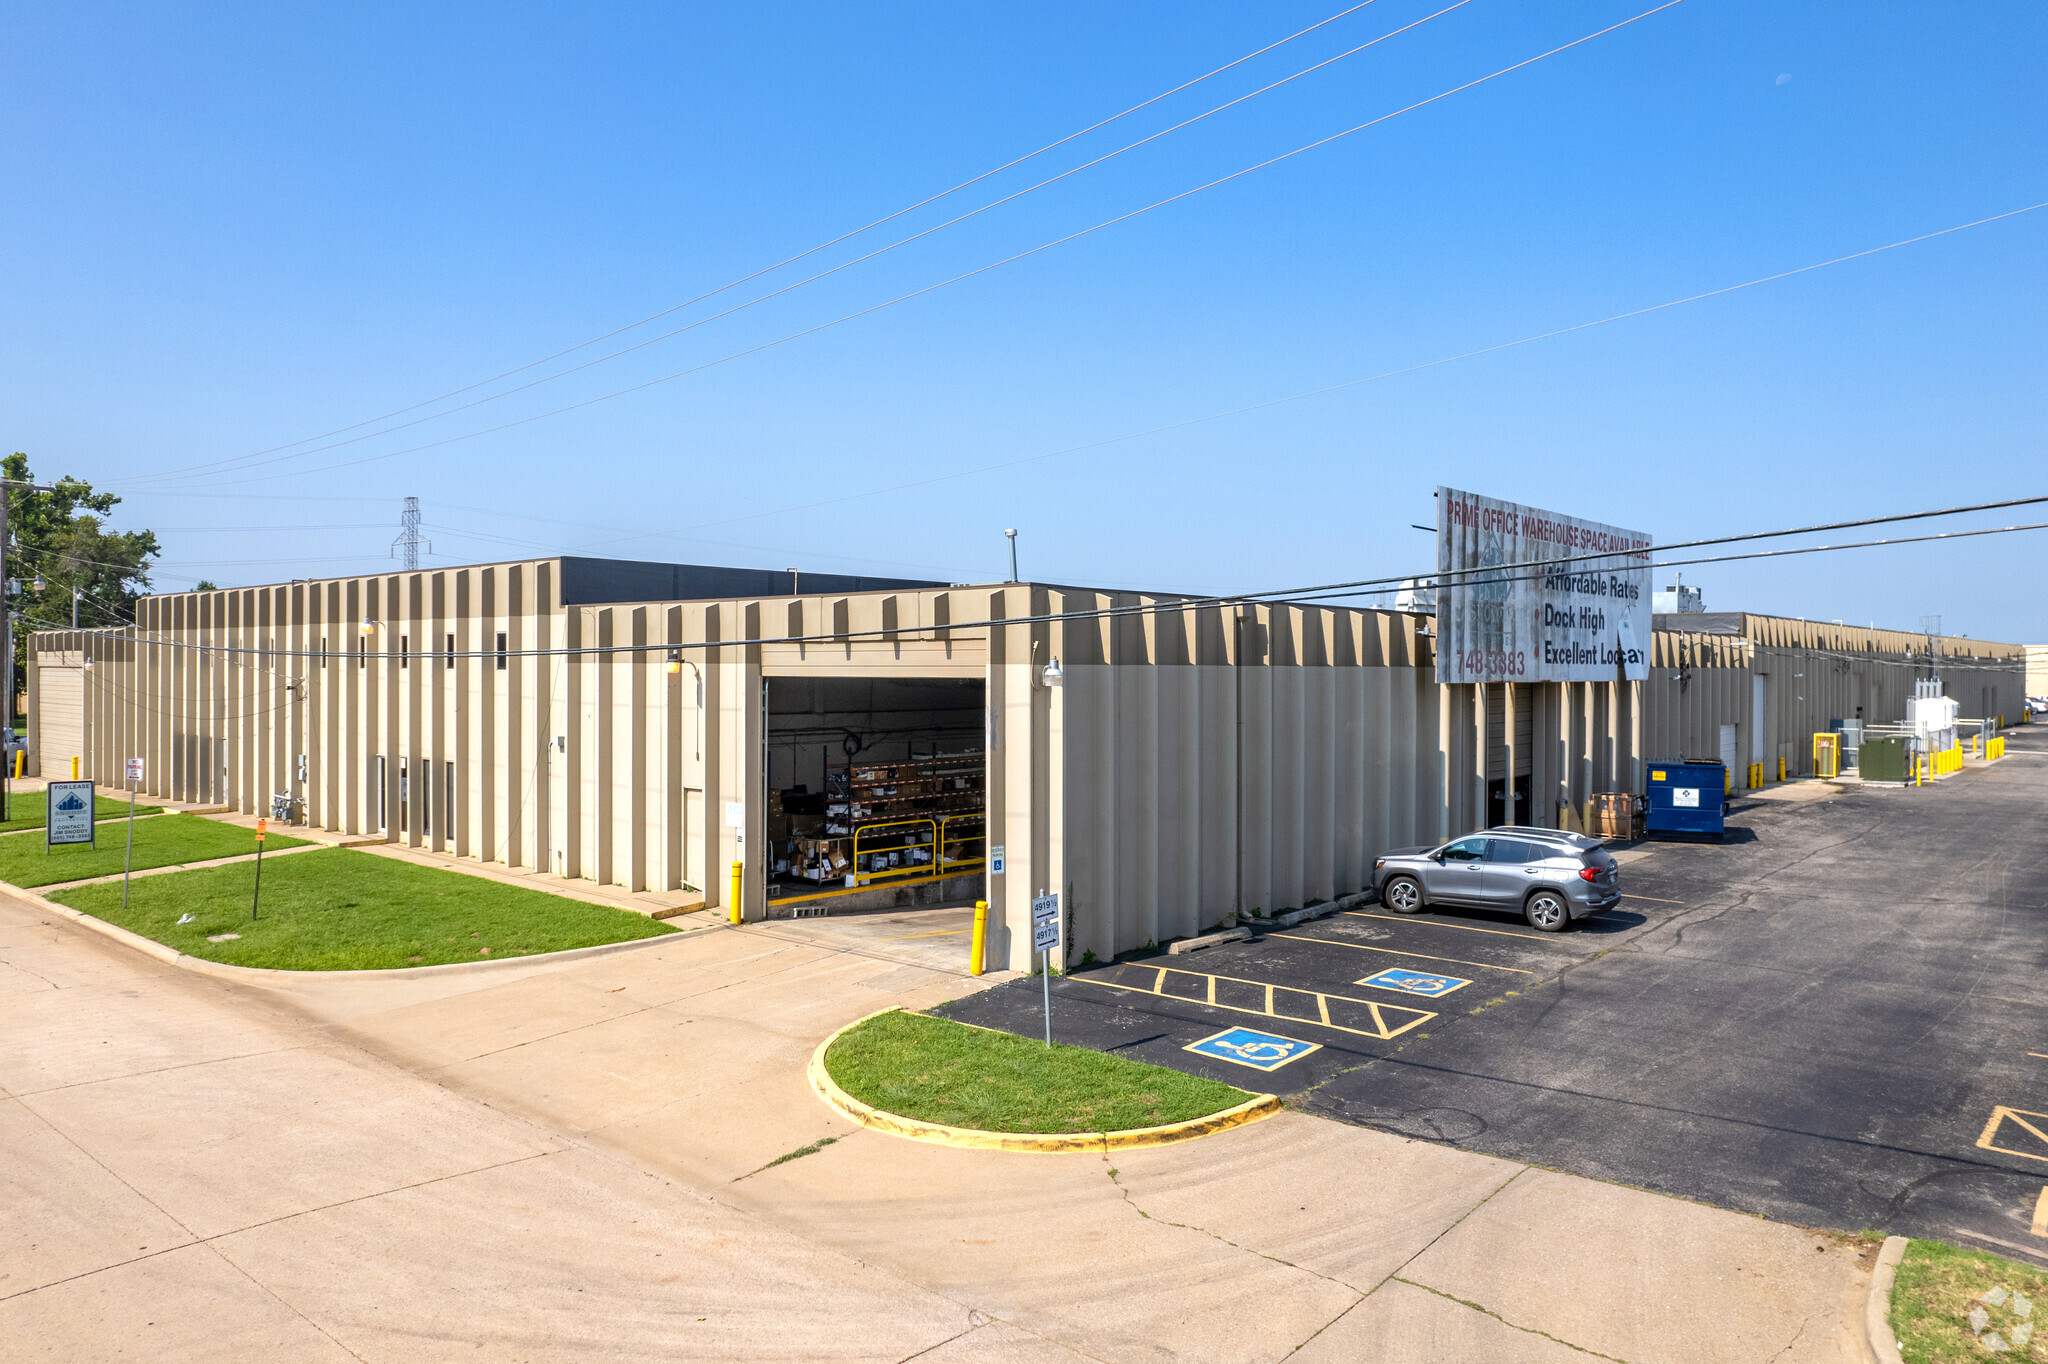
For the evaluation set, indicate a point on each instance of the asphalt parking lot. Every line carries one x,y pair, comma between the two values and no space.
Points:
1836,1018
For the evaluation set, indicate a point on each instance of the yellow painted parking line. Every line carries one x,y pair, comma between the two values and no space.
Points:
2041,1213
943,933
1995,1130
1388,1021
1396,952
2042,1054
1439,923
1651,898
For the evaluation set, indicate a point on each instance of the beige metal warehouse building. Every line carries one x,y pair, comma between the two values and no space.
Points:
1750,689
1194,761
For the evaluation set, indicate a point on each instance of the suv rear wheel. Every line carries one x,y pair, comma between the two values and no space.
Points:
1402,895
1547,912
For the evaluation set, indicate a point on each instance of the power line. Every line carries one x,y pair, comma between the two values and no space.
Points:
252,462
630,535
1498,573
1339,387
801,255
979,270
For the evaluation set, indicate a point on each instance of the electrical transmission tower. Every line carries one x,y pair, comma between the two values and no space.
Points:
408,539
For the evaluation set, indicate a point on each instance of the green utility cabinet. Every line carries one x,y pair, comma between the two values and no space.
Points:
1882,760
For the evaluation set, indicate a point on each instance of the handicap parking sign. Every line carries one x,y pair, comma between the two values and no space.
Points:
1259,1050
1415,982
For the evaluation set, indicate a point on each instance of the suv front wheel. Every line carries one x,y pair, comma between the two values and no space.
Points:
1402,896
1547,912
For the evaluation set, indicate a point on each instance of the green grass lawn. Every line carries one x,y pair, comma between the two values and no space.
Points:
341,910
25,810
1937,1288
164,842
937,1070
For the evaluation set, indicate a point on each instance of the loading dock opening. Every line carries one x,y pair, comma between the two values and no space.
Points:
876,793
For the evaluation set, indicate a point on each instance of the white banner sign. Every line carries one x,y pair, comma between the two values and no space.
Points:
1501,617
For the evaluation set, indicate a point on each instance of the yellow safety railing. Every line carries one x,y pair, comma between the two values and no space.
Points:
960,843
911,867
947,846
1827,755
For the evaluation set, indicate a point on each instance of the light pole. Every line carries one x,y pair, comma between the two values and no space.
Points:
1013,554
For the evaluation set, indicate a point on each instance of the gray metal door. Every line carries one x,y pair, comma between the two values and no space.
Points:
1513,869
1460,877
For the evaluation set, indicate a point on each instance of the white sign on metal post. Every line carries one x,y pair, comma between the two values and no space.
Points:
1501,617
135,769
1045,922
69,813
1045,936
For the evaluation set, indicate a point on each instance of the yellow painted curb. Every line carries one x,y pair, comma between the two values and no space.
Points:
1050,1143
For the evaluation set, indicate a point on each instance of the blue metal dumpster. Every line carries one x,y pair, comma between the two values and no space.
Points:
1687,798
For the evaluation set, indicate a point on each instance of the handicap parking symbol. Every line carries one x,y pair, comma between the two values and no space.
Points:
1259,1050
1415,982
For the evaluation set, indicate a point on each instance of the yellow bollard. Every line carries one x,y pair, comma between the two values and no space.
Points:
20,762
980,937
74,769
733,912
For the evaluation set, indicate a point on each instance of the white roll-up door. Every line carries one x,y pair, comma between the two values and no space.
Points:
61,713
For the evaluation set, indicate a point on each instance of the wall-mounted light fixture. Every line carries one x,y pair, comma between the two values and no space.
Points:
369,626
1053,676
675,661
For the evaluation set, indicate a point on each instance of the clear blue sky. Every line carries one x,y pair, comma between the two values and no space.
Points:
230,228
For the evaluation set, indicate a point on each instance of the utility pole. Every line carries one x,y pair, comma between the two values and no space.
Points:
409,536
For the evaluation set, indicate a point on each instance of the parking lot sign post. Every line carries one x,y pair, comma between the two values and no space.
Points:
134,777
256,896
1045,936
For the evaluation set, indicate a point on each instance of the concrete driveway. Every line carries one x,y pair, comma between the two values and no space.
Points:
579,1160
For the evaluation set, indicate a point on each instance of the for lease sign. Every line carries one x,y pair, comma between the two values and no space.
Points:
1527,595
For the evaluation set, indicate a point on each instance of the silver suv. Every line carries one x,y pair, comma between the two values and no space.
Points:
1549,878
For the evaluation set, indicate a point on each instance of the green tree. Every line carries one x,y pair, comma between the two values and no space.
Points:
59,541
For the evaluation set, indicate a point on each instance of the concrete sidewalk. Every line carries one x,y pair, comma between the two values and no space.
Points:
576,1162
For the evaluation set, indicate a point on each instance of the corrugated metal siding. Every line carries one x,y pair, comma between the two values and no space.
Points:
1812,672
